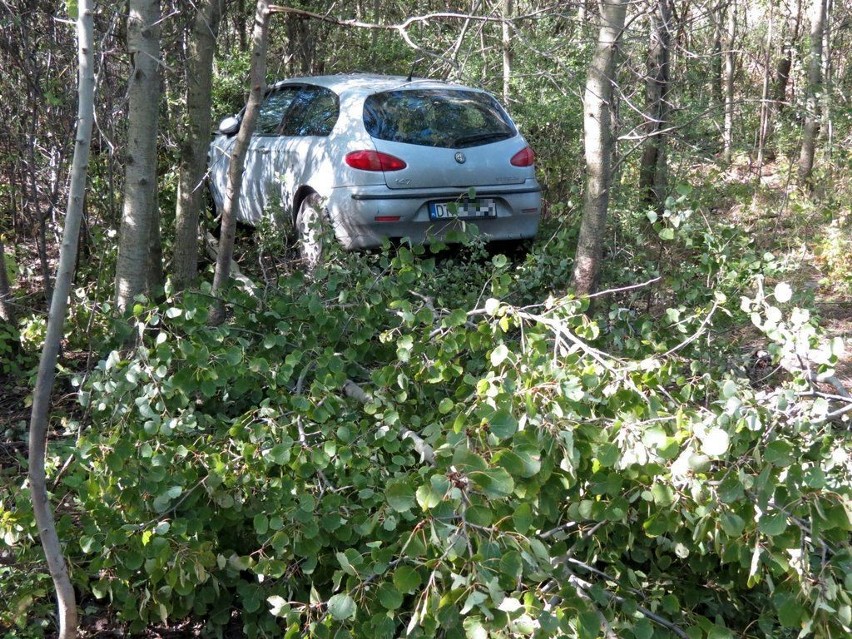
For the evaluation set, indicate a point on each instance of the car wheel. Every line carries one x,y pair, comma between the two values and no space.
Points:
312,229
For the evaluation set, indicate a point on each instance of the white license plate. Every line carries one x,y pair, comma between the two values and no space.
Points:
464,209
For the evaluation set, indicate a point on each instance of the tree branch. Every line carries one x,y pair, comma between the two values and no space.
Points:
354,391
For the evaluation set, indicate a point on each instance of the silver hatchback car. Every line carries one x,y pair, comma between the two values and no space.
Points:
381,157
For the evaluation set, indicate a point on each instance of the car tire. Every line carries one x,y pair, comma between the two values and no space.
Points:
312,230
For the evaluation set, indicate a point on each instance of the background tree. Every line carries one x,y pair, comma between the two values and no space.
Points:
139,265
730,72
813,112
198,78
36,127
257,89
7,313
47,366
652,170
597,128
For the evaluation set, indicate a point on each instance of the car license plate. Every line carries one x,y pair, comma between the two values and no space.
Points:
462,209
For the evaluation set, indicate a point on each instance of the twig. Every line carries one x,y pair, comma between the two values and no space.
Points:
696,334
624,288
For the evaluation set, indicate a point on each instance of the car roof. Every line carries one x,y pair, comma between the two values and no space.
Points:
367,83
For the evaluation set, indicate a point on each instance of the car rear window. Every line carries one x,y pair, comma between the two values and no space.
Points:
437,117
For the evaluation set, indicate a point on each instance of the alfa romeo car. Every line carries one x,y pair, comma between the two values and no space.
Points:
376,157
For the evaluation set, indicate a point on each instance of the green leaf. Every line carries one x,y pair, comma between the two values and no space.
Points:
511,461
773,525
643,629
663,494
277,605
510,604
718,632
465,459
499,355
261,524
428,497
590,625
495,483
406,579
389,596
778,453
731,489
341,607
400,495
457,317
715,442
445,406
522,518
790,611
503,424
732,524
345,564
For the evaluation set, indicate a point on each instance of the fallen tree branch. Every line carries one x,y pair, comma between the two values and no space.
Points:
582,584
211,247
352,390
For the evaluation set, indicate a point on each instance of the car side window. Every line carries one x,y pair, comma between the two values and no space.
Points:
272,110
314,112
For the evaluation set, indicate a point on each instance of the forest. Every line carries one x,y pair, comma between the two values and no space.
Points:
635,426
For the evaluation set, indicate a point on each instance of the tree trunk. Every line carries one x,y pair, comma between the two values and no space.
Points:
766,110
717,18
67,606
781,78
135,262
813,102
652,170
598,145
730,73
7,314
193,152
257,80
508,7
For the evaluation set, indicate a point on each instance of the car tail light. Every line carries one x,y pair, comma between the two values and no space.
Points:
524,157
374,161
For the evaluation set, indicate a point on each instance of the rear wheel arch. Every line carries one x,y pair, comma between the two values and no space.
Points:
301,193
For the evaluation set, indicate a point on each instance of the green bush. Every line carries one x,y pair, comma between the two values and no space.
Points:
395,449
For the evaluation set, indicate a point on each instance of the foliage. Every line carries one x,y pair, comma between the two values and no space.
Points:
586,475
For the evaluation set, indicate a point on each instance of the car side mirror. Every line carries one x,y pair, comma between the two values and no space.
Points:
229,125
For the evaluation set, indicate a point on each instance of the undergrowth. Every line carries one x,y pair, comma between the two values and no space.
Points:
425,443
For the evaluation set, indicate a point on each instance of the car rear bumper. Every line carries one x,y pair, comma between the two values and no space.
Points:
365,216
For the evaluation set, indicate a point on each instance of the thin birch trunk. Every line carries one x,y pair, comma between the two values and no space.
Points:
716,60
598,146
257,80
134,265
652,171
6,312
766,109
508,8
730,73
40,416
193,160
814,98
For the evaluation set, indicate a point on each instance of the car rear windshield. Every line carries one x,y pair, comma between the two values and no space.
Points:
450,118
